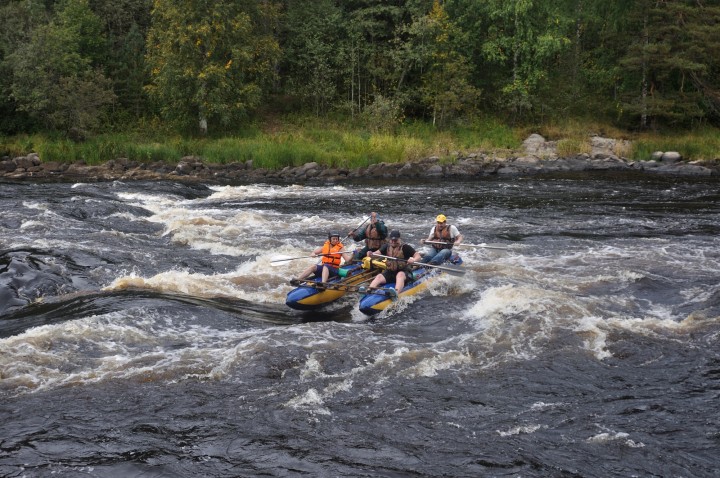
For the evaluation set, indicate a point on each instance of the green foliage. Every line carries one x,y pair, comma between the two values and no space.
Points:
53,78
524,37
79,101
311,59
446,88
383,114
671,66
210,60
77,19
213,65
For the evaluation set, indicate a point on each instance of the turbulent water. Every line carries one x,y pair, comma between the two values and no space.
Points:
143,332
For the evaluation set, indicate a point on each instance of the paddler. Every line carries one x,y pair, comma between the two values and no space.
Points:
331,254
442,238
374,234
396,270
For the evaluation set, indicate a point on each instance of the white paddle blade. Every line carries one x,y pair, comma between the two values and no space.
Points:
282,260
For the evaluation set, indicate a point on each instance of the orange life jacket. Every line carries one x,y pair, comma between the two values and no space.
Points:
333,260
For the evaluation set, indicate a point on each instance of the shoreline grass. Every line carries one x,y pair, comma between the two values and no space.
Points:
295,141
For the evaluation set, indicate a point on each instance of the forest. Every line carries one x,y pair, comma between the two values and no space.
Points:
80,67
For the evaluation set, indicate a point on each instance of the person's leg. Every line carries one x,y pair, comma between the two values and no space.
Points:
400,281
328,272
378,281
306,273
441,257
429,256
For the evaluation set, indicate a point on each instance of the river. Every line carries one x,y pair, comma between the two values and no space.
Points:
143,332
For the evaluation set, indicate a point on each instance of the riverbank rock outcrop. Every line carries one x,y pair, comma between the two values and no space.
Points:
538,156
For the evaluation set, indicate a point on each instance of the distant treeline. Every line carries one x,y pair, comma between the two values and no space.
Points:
78,66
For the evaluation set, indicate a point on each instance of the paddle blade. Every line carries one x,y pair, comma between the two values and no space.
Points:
453,271
282,260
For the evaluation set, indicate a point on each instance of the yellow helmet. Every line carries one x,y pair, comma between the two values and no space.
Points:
441,218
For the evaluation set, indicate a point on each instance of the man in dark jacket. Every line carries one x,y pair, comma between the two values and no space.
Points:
374,234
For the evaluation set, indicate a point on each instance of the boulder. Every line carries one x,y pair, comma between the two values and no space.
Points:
7,166
54,167
671,157
533,143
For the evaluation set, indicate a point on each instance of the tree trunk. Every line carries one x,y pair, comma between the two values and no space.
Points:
644,80
202,114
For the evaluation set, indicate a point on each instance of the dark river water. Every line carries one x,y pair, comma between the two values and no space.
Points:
143,332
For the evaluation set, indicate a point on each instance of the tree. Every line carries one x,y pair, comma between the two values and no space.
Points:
523,38
671,67
445,85
583,82
311,60
128,71
125,25
368,47
210,60
53,74
19,20
79,102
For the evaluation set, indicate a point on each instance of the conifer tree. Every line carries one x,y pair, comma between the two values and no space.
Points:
670,69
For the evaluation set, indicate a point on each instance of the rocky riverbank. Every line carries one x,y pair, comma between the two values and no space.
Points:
538,156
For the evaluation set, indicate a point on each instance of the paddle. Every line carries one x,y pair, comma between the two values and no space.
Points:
278,259
467,245
451,270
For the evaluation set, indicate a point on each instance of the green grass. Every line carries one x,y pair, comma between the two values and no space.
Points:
573,135
703,144
296,140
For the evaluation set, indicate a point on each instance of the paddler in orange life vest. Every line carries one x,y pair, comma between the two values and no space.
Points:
442,239
331,256
396,270
375,235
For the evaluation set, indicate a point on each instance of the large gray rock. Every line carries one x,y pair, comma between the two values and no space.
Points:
533,144
671,157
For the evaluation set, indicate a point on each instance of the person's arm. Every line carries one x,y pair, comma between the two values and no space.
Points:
458,236
409,251
346,255
430,236
358,236
381,229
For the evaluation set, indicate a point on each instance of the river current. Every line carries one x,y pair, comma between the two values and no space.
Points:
143,332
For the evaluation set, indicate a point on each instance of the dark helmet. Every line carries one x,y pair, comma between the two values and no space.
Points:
333,234
395,235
